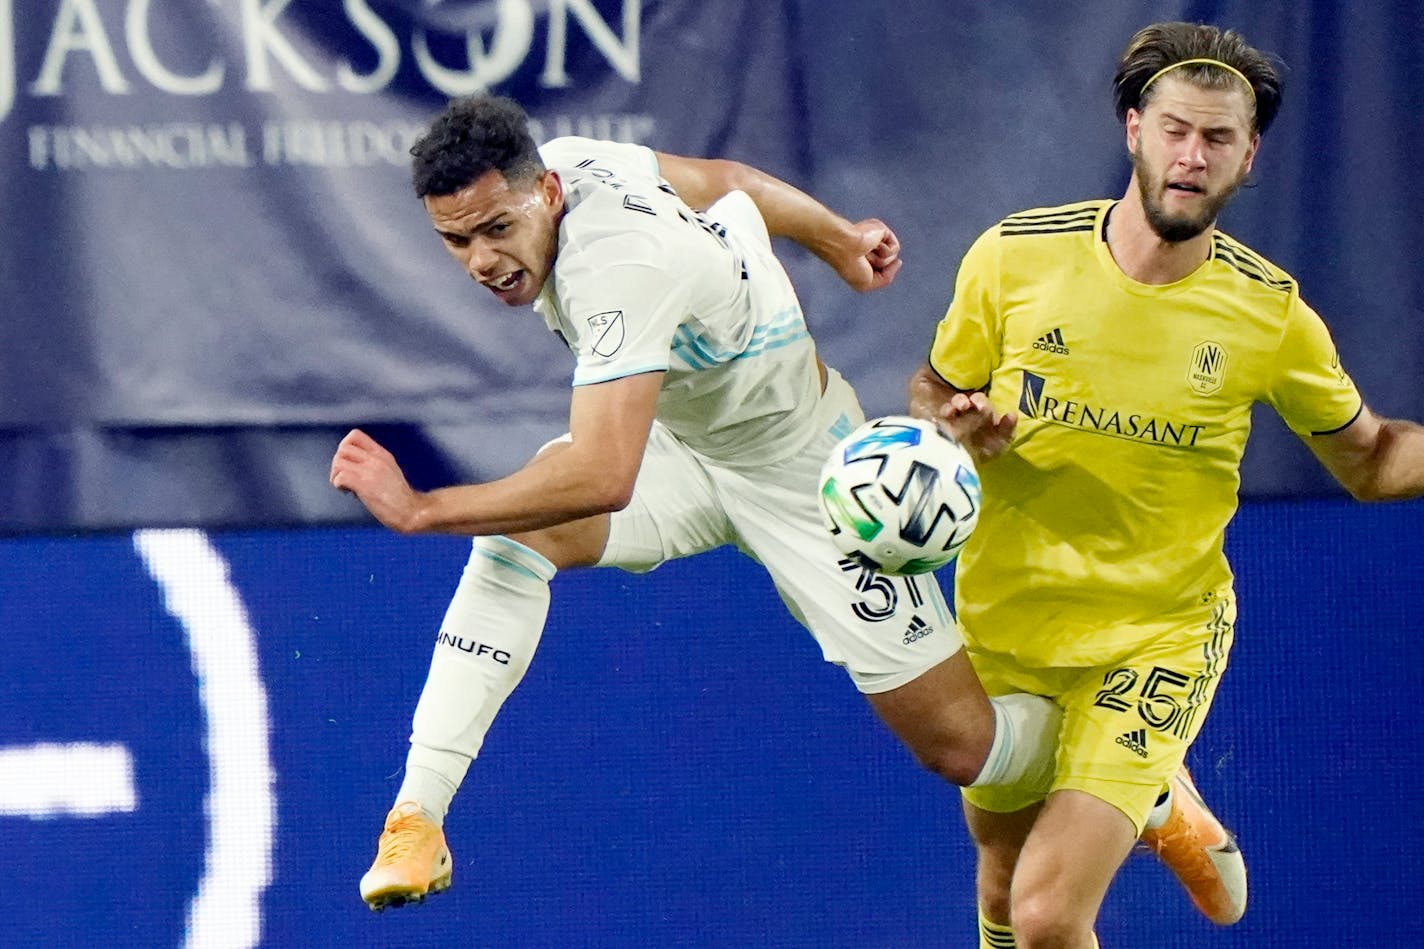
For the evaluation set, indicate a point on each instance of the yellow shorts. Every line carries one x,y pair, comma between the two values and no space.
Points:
1127,725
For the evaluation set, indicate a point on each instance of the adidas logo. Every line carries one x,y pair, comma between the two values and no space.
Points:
1051,342
1135,741
919,629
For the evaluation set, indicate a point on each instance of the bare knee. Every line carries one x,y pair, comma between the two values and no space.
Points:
1054,901
957,761
1041,919
998,842
993,882
944,718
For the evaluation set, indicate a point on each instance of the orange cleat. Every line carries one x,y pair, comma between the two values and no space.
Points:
412,860
1201,853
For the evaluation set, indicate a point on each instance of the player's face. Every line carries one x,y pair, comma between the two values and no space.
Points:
1191,149
505,234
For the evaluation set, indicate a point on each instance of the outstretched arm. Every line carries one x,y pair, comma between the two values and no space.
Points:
594,474
1375,459
866,254
968,416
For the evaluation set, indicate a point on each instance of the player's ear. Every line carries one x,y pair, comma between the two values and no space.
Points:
1251,153
1132,126
551,186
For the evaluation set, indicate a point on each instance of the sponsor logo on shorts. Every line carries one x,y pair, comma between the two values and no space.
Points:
917,630
1135,741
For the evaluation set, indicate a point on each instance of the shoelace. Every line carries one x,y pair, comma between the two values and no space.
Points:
400,839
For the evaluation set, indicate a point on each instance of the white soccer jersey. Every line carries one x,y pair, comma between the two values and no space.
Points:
642,283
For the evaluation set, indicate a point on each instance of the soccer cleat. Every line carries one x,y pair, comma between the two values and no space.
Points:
1201,853
412,860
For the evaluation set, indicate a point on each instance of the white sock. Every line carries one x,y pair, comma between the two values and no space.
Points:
431,779
490,632
1025,745
1160,811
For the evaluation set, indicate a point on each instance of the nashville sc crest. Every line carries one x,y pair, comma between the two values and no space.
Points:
1207,371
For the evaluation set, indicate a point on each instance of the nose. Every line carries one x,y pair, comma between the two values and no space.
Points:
480,259
1193,153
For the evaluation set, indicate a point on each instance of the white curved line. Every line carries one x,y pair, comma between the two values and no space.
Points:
241,806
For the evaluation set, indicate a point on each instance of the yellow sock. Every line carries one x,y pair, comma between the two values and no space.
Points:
994,935
999,936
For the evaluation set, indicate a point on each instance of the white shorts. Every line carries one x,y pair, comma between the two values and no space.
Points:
885,631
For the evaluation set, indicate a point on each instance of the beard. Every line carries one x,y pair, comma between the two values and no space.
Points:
1174,229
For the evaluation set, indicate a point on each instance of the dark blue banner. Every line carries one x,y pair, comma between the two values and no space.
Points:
212,264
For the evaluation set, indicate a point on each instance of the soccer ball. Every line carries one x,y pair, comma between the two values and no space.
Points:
901,497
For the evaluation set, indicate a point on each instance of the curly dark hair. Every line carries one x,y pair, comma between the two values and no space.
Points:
472,136
1160,45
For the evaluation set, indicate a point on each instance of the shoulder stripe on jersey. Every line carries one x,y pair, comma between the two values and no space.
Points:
1090,207
1053,229
1246,253
1039,214
1250,263
1061,220
1054,217
1249,268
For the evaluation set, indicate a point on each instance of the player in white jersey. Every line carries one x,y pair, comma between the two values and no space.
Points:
739,352
700,417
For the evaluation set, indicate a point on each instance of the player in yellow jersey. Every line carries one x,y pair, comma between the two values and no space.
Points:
1101,360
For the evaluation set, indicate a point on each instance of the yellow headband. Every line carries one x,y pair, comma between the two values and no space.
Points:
1200,62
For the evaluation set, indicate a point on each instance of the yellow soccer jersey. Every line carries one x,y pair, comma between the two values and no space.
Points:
1107,514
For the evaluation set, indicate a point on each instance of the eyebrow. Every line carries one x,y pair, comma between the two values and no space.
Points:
474,229
1172,117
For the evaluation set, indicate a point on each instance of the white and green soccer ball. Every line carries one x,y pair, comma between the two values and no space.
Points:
901,497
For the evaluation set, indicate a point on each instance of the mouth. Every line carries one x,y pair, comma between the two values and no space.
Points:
1185,187
503,285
